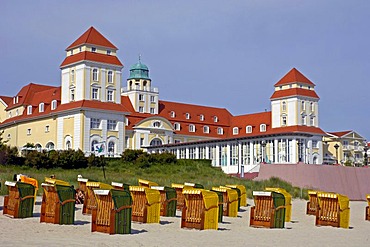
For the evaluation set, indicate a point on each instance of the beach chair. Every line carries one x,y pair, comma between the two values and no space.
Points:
20,199
179,196
243,193
288,202
200,210
58,203
312,202
146,205
367,210
194,185
237,191
113,212
82,184
230,200
120,186
220,205
146,183
90,201
268,210
29,180
168,200
333,210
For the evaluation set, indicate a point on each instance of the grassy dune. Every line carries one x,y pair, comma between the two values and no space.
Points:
198,171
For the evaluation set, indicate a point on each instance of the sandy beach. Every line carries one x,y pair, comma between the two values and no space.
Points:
232,232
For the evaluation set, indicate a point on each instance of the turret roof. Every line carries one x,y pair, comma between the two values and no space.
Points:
92,37
293,76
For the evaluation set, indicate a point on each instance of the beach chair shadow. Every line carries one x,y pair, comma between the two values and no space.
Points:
82,222
165,222
133,231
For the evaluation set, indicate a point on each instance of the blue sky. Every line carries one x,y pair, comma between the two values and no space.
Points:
218,53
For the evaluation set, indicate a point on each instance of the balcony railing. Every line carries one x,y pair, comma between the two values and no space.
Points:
138,88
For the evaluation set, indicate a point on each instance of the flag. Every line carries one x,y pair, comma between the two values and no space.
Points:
99,149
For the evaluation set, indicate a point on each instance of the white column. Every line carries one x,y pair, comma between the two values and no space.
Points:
207,152
295,149
251,152
217,156
228,155
276,147
197,153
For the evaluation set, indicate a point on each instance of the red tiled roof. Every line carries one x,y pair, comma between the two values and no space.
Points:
92,37
340,133
26,94
91,56
254,120
294,92
7,100
297,129
293,76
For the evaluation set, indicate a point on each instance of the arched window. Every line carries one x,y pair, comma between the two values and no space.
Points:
191,128
41,107
156,124
72,75
95,75
201,117
93,143
176,126
187,115
111,145
50,146
215,119
156,142
38,147
263,128
173,114
248,129
53,104
29,110
68,144
235,130
205,129
110,76
283,120
220,130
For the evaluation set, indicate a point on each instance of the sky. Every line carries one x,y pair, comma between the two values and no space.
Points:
218,53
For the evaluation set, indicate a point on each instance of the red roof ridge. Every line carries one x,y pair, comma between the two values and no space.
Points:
340,133
189,104
294,75
92,37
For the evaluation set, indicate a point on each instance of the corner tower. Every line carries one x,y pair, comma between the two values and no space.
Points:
294,101
143,97
91,70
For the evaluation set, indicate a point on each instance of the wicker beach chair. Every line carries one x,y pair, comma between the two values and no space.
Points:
268,210
312,203
333,210
90,200
58,203
168,200
146,205
200,210
367,209
230,200
288,202
113,212
20,199
146,183
243,193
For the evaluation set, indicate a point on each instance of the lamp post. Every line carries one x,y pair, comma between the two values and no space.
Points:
365,154
263,151
336,146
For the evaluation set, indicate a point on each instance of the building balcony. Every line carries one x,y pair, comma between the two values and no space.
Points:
139,89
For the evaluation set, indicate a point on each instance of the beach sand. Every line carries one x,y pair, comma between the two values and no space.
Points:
232,232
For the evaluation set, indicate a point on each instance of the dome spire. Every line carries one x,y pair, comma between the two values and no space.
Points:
139,70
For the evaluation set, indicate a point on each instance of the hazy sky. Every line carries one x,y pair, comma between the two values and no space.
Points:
221,53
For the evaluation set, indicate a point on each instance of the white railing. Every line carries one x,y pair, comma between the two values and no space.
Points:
137,88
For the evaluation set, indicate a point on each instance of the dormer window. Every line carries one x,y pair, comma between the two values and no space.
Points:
201,117
220,131
205,129
53,105
176,126
235,130
172,114
215,119
29,110
248,129
191,128
41,107
109,52
187,115
263,128
93,49
72,96
15,100
17,112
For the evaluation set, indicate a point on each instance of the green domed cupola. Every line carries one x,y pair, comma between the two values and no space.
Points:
139,71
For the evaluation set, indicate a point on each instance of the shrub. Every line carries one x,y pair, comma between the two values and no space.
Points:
131,155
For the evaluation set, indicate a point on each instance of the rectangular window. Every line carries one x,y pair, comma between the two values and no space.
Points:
152,110
141,109
112,124
29,110
28,132
141,97
95,93
95,123
110,76
152,99
47,129
72,94
93,49
109,52
109,95
141,141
